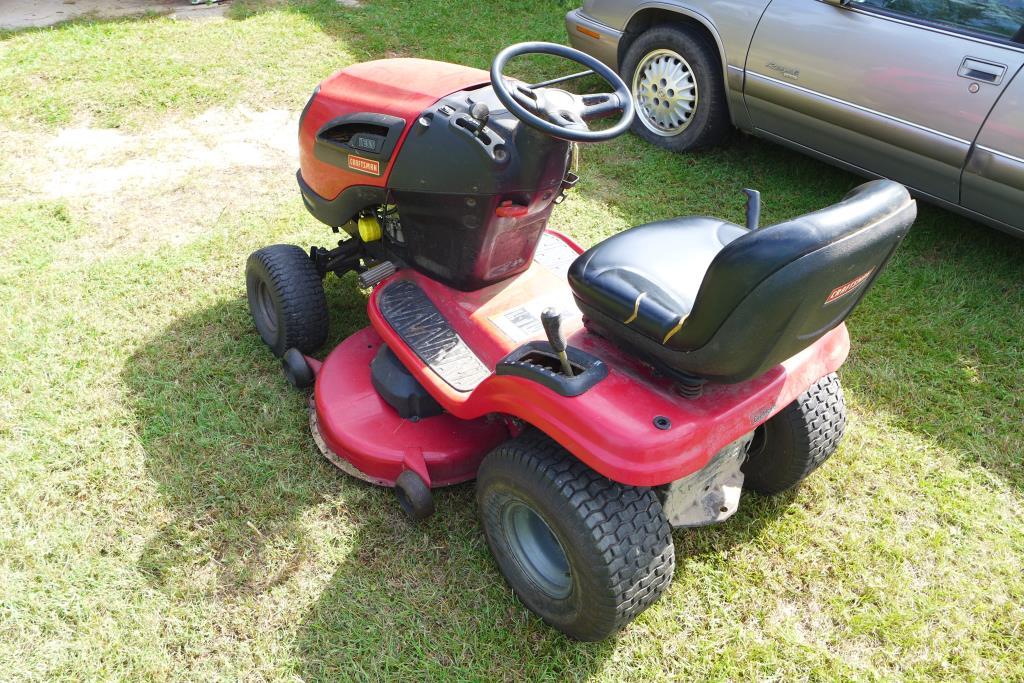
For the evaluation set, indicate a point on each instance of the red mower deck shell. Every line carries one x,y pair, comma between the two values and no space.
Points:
610,427
359,427
398,87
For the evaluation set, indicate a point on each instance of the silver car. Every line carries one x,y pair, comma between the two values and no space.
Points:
926,92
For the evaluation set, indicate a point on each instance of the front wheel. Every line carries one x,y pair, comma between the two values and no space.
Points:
675,76
584,553
286,299
797,440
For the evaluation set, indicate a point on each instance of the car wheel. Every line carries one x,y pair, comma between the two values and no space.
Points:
797,440
676,78
584,553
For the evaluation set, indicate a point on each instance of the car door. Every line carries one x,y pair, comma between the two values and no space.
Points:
898,88
993,181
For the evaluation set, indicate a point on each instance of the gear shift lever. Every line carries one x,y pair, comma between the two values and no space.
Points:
552,321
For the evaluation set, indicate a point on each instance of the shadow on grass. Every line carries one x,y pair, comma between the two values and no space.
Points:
428,602
649,184
938,344
446,30
227,443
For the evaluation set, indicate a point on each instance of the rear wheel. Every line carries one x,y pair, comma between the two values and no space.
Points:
584,553
286,299
797,440
676,79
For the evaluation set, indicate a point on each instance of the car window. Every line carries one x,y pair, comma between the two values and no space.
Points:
999,18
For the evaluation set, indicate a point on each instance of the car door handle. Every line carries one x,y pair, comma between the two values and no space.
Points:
980,70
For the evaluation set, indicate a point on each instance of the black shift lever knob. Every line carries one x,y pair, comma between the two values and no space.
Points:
481,112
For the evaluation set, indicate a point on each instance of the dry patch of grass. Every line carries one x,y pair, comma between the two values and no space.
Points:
163,185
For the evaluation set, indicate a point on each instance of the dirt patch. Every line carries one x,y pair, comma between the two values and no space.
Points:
19,14
162,186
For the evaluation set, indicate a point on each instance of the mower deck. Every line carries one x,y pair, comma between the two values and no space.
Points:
366,438
631,426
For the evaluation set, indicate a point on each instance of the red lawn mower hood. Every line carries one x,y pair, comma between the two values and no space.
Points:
399,88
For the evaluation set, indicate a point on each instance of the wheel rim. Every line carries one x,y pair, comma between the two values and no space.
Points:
665,91
265,307
537,550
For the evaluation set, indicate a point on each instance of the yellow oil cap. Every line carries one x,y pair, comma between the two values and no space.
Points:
369,228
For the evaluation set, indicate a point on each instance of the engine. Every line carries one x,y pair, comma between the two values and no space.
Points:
456,186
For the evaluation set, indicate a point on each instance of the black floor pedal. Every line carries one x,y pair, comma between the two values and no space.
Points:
415,318
375,274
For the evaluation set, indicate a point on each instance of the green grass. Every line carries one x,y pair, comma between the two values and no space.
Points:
164,513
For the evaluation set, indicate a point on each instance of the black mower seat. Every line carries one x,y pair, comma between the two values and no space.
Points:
701,298
647,277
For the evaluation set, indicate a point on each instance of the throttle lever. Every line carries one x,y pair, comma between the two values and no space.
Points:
481,113
753,208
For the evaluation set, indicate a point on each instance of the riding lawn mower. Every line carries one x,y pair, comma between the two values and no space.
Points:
599,397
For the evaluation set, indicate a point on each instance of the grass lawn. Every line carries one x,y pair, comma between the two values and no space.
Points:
164,513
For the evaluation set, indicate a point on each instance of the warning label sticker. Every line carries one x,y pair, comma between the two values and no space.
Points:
523,322
554,254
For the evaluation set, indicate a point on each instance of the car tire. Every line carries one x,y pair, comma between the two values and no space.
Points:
286,299
584,553
797,440
684,57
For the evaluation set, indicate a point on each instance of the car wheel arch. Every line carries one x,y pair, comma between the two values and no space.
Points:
654,15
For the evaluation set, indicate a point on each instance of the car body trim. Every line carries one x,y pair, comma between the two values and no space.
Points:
605,47
851,105
859,170
601,27
1000,154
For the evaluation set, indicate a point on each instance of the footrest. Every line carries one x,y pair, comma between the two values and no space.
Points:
374,275
415,318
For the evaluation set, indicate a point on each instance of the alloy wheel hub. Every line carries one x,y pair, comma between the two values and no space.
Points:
665,92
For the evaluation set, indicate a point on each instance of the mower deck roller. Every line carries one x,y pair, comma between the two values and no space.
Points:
599,398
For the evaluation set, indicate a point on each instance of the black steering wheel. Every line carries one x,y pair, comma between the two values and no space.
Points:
554,111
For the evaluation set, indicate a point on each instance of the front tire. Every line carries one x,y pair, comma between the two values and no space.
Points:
286,299
584,553
797,440
675,74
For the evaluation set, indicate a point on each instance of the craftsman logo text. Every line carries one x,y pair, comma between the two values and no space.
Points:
843,290
364,165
